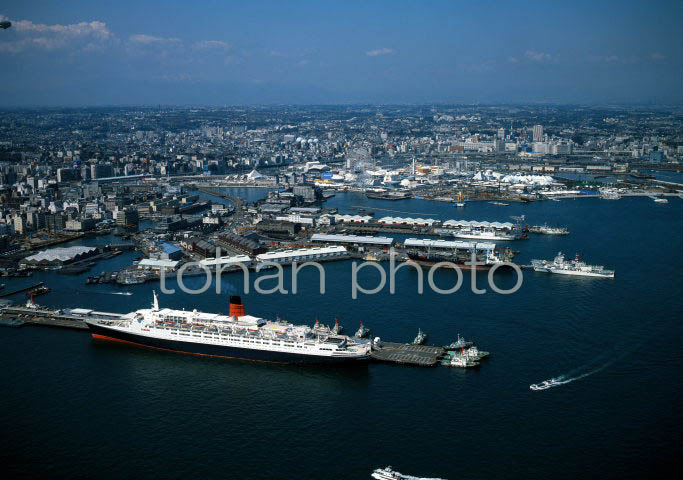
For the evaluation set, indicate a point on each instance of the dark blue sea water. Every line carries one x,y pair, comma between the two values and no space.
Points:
74,408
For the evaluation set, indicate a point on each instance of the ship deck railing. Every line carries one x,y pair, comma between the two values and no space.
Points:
241,336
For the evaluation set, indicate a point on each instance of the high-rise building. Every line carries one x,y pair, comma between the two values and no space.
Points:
101,170
127,218
65,174
538,133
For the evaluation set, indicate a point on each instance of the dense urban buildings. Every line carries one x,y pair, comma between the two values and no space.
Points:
122,166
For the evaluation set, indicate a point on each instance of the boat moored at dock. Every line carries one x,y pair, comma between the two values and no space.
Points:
421,337
546,230
238,336
362,331
574,267
430,252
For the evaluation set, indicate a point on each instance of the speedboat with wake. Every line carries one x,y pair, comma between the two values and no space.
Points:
544,385
390,474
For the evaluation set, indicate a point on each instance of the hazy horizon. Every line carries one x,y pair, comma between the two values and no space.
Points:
81,53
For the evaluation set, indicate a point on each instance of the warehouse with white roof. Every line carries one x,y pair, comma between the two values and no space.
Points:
423,222
358,240
477,224
315,254
59,256
449,245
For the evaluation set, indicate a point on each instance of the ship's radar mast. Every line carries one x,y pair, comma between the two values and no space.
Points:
155,303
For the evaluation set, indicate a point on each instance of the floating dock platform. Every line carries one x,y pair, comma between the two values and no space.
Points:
56,322
408,354
39,316
23,289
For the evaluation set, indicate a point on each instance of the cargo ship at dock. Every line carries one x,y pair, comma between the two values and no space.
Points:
384,195
236,335
429,252
428,260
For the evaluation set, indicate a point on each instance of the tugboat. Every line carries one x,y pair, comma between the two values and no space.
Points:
421,337
321,329
362,332
471,353
337,329
459,361
458,344
475,354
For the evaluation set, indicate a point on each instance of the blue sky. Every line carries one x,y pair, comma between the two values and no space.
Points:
224,52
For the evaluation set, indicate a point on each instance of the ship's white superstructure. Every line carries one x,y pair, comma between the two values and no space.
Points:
241,336
484,234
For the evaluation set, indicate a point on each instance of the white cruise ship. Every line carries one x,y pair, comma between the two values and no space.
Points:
571,267
235,336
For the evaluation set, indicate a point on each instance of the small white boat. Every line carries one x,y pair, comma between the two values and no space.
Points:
389,473
544,385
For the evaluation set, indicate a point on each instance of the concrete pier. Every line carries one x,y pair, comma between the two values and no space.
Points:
407,354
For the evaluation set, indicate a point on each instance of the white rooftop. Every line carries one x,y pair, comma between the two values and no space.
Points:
301,252
154,263
322,237
450,244
409,220
475,223
225,260
60,253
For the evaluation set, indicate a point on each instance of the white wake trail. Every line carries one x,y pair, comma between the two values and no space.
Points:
583,371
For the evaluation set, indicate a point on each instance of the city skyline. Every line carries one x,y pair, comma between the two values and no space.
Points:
169,53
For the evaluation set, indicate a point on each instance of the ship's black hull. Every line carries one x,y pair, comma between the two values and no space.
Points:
430,260
100,332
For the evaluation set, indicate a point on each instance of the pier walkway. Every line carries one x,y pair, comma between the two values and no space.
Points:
23,289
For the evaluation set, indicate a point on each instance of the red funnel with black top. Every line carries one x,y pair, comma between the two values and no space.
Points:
236,306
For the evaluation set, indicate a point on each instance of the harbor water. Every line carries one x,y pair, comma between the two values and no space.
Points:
75,408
